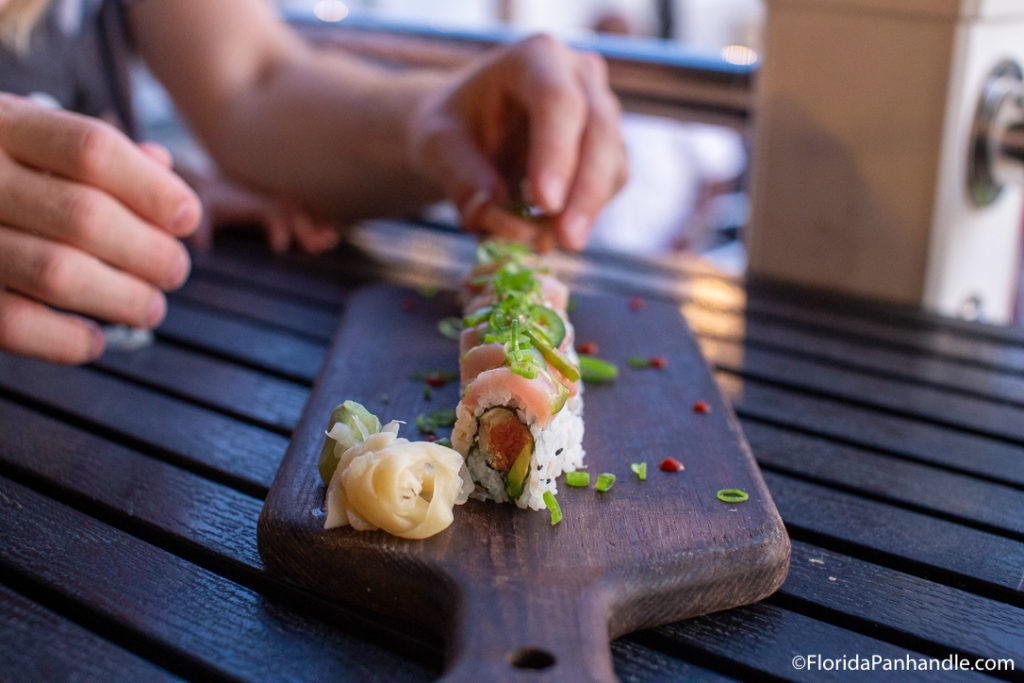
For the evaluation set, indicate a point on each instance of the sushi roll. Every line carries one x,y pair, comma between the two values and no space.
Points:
519,423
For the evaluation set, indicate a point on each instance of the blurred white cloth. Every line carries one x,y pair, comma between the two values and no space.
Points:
669,163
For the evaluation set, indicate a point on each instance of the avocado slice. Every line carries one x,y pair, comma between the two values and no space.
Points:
348,413
515,482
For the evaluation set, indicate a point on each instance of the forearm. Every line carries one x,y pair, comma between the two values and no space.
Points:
320,128
348,141
329,132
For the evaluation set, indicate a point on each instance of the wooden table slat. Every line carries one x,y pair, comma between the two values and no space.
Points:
277,310
931,340
817,303
965,413
39,645
135,489
846,423
921,609
240,454
235,390
896,480
764,638
279,352
865,356
986,563
302,279
194,614
635,663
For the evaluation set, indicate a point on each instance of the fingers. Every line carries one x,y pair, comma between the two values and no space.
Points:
314,237
89,151
502,225
29,328
94,222
549,88
602,168
469,179
67,278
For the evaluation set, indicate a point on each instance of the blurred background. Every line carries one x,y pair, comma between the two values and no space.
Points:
685,71
688,188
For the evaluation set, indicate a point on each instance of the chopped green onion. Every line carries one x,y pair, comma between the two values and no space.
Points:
426,392
501,251
554,357
596,370
571,304
732,496
577,478
424,424
428,291
443,418
450,328
605,481
429,422
552,504
446,375
477,317
638,362
385,399
529,372
640,470
444,442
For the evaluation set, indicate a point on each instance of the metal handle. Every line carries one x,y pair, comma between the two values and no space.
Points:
996,156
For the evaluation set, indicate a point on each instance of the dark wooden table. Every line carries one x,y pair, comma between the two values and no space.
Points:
892,441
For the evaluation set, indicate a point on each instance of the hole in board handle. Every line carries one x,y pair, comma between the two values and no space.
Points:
530,658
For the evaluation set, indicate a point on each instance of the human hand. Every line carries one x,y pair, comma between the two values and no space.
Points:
533,119
88,225
284,222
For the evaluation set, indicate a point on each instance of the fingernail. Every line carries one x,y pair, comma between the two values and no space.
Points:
552,193
156,312
577,230
185,219
180,272
97,343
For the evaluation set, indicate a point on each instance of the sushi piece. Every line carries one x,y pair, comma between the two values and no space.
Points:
520,421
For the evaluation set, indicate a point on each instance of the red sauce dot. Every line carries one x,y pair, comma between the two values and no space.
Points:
637,304
670,465
408,305
589,348
701,407
431,437
435,381
659,362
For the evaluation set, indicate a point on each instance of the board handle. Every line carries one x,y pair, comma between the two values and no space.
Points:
507,630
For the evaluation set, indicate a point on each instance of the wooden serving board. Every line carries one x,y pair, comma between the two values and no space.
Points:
513,594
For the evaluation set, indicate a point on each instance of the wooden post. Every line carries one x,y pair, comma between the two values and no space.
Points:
863,120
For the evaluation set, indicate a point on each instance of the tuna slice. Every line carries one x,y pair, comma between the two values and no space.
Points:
538,397
480,359
502,438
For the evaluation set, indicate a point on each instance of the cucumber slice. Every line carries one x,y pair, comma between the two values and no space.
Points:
515,482
347,413
549,323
